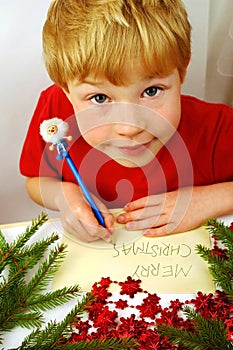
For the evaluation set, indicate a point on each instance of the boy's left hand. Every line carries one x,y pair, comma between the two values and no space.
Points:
172,212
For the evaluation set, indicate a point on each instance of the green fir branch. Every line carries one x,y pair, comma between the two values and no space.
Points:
220,267
4,249
103,344
25,320
10,252
208,334
53,299
22,302
14,310
16,314
22,239
46,271
30,255
94,344
52,336
222,232
19,295
20,263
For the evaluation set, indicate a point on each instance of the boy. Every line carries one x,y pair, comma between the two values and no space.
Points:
118,66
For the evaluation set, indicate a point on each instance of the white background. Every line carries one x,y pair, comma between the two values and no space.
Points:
23,76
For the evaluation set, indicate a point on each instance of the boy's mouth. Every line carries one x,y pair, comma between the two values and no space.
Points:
135,150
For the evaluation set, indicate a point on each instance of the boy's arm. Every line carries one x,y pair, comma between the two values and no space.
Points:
76,215
178,211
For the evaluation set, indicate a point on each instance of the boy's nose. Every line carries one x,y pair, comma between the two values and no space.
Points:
129,120
127,129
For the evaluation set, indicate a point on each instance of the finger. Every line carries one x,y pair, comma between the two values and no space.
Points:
109,219
106,235
109,222
152,222
96,231
140,214
106,232
89,220
145,202
76,228
87,229
83,232
157,231
164,227
137,204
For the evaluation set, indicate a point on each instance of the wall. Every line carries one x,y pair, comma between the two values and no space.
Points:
23,76
219,75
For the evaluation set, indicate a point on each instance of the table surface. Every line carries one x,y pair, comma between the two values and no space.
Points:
10,232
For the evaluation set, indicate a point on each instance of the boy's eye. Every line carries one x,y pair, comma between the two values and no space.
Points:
152,91
98,99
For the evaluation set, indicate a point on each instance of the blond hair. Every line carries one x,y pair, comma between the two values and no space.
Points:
99,36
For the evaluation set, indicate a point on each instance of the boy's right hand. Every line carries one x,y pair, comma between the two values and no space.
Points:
77,216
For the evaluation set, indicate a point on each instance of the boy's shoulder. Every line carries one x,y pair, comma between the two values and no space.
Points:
52,92
199,117
194,106
55,102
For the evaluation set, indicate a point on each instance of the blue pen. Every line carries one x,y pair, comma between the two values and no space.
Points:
54,131
84,189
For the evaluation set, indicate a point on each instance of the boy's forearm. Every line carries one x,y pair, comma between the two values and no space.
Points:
216,199
178,211
46,191
220,198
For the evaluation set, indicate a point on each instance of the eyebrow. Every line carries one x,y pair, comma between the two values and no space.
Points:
92,81
96,82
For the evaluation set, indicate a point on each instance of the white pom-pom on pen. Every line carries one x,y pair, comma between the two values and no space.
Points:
52,130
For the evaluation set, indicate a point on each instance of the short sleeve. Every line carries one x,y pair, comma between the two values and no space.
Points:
223,147
36,159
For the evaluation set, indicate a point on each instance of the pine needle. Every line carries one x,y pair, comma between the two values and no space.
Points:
22,302
208,334
11,253
53,299
50,336
220,267
103,344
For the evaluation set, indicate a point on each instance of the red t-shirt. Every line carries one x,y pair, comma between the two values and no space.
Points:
200,153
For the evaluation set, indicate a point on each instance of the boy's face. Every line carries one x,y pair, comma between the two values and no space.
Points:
128,123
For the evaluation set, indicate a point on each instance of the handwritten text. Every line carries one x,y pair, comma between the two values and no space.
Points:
154,250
